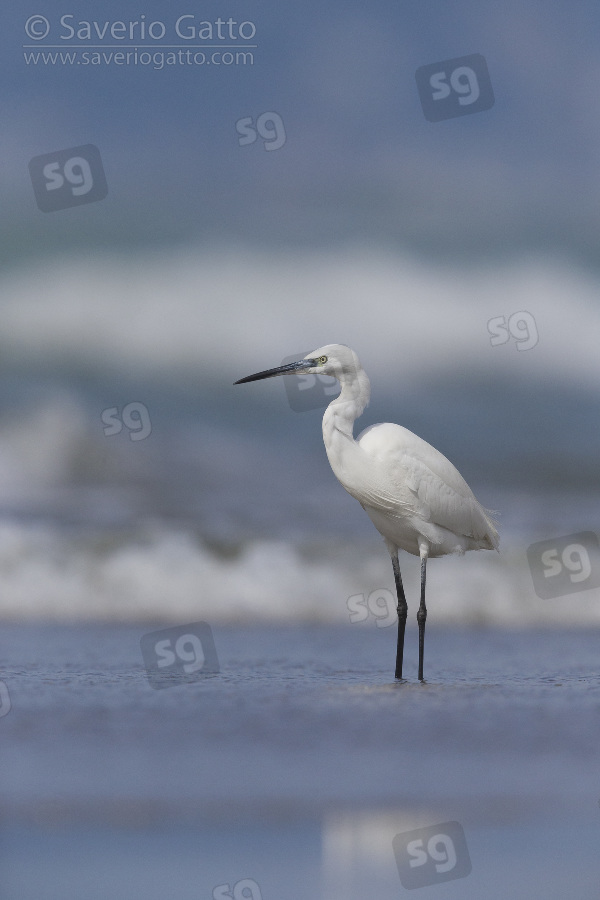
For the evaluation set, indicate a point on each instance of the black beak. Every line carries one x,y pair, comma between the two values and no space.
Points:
280,370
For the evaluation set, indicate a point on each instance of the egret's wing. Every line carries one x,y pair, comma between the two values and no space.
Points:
422,483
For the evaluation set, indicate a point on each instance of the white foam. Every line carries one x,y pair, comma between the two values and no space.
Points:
167,574
225,312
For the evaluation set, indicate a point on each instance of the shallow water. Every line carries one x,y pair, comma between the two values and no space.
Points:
298,763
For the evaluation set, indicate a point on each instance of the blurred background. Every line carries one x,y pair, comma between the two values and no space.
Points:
292,197
282,191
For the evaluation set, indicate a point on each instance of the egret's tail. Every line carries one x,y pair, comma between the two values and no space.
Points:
491,540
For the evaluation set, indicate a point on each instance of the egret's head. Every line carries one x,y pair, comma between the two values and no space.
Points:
336,360
333,359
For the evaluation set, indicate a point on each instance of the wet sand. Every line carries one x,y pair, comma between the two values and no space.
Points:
295,766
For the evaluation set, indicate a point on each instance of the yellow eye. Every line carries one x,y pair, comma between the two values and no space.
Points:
322,360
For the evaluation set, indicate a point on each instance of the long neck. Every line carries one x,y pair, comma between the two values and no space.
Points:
338,421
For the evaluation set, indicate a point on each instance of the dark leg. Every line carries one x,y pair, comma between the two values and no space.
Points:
402,613
422,617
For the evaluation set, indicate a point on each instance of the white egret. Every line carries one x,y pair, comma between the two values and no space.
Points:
414,496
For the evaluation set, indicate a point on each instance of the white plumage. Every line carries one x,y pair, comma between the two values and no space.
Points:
413,495
423,496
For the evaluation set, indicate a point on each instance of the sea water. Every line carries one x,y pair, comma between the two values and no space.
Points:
297,765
